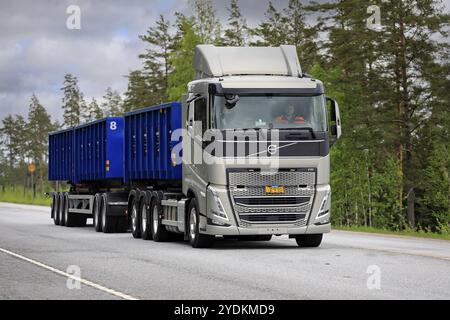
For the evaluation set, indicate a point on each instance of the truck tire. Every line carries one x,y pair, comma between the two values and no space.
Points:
146,229
96,213
64,209
108,222
159,231
61,209
55,208
196,239
135,219
309,240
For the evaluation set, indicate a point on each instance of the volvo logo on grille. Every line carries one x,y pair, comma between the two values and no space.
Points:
272,149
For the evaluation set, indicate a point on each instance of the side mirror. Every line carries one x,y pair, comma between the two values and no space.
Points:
335,119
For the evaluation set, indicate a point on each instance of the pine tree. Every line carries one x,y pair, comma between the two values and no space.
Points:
112,103
207,25
38,127
270,32
140,93
182,57
156,59
93,111
14,139
299,34
236,33
73,102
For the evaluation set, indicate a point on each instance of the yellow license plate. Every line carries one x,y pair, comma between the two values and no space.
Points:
273,189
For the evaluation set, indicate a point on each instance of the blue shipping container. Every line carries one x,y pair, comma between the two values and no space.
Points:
148,145
60,155
99,150
89,152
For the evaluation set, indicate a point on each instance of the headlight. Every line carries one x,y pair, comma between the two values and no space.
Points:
323,205
217,207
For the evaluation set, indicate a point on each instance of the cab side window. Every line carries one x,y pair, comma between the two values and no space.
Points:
200,114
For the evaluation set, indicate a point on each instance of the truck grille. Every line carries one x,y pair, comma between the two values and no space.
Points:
254,206
281,177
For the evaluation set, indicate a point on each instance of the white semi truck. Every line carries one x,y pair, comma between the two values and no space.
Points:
253,153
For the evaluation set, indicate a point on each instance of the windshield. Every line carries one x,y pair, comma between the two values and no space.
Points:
271,112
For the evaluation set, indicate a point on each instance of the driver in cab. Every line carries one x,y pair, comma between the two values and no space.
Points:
290,117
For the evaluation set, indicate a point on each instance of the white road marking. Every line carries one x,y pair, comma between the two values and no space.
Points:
65,274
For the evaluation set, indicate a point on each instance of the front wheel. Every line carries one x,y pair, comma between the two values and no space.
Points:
196,239
309,240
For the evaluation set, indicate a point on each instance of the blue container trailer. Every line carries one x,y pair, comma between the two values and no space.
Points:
106,160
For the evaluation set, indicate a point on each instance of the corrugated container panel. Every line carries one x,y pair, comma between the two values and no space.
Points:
60,155
148,145
99,150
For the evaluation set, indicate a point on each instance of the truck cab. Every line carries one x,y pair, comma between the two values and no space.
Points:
257,136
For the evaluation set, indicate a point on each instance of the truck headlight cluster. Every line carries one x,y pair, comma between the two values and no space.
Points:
323,205
218,209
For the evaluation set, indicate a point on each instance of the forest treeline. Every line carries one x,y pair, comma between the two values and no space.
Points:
391,167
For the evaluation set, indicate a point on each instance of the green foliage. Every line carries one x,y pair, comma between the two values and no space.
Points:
206,25
182,58
112,103
73,102
155,76
93,112
139,93
237,32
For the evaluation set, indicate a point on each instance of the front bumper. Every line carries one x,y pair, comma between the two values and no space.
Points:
260,230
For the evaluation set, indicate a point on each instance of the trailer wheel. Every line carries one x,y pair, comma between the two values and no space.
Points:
55,209
159,231
64,209
146,231
196,239
135,219
108,223
309,240
96,213
61,209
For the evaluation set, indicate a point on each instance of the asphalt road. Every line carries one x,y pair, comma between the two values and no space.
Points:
35,256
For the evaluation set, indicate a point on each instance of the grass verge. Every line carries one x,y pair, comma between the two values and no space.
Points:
18,196
409,233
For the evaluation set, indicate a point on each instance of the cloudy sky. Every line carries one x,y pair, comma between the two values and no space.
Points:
37,49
